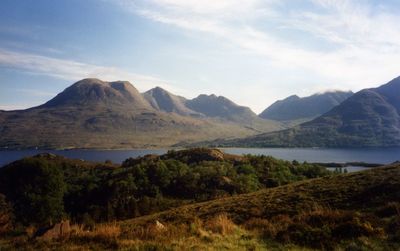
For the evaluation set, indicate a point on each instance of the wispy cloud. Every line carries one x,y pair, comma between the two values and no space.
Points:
73,70
361,40
36,93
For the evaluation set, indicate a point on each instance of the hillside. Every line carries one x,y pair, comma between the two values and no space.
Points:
334,212
319,213
303,109
96,114
368,118
355,191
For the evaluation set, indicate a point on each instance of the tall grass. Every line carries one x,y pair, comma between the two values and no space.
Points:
104,233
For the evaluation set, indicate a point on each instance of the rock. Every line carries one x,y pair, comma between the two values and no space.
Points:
58,231
159,225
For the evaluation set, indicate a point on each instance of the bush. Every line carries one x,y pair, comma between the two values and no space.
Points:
36,189
6,215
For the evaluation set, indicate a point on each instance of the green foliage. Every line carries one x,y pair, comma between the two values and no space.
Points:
36,188
46,187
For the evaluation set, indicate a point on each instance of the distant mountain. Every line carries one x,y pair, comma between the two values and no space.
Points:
163,100
370,117
97,114
304,109
220,107
88,92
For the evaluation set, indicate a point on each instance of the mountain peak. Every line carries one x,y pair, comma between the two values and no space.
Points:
95,91
219,106
295,108
161,99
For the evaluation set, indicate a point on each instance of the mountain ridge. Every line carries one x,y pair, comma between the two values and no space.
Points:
96,114
368,118
295,108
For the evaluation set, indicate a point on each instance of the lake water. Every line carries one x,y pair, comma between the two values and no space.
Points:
368,155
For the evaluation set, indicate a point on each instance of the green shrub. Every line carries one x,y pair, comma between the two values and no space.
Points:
36,189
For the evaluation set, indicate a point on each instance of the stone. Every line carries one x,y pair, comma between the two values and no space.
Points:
57,231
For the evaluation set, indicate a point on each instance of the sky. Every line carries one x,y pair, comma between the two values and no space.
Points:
254,52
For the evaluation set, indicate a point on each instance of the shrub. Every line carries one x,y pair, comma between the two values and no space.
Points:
36,188
263,226
390,209
6,215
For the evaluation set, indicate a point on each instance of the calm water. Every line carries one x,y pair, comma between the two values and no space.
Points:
369,155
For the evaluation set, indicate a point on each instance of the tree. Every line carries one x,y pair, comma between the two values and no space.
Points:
36,188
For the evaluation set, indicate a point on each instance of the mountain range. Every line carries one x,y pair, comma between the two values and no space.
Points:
371,117
96,114
296,110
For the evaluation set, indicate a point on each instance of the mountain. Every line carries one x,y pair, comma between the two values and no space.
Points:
220,107
370,117
304,109
89,92
163,100
97,114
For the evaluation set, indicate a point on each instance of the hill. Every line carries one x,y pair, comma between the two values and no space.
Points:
97,114
352,211
368,118
335,212
361,191
294,108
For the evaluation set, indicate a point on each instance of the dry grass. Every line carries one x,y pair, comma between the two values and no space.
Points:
104,233
221,224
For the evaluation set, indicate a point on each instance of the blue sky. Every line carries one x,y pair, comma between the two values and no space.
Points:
253,52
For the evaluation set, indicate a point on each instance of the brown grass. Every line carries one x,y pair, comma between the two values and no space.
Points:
151,232
105,233
221,224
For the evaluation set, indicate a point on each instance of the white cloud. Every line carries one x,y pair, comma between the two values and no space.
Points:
362,41
74,71
36,93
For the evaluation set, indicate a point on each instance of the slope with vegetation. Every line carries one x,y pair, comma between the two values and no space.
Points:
336,212
46,188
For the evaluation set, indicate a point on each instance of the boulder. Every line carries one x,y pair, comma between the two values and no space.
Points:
57,231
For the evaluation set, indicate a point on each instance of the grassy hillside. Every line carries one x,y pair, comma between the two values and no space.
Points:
364,191
357,211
